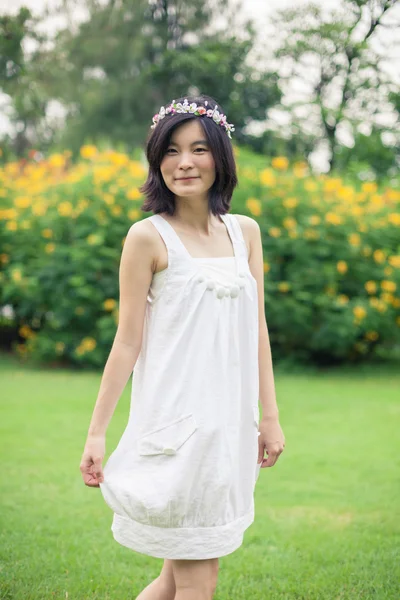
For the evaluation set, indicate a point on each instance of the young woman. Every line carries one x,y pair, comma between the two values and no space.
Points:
192,329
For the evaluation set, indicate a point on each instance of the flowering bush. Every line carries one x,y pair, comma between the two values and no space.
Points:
332,261
331,255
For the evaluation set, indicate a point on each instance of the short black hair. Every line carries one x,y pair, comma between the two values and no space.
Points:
159,197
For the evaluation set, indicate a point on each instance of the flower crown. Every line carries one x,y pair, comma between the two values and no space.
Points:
199,111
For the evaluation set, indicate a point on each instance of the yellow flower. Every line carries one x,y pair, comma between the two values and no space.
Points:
108,199
47,233
65,209
311,234
283,286
371,335
56,160
341,266
88,151
109,304
280,162
136,169
394,218
289,222
393,195
93,239
354,239
394,261
333,184
378,304
12,226
369,187
330,290
26,332
342,299
371,287
388,271
49,248
254,206
387,297
88,344
310,186
314,220
133,194
274,232
357,211
379,256
133,214
396,302
22,201
388,286
290,202
345,192
16,275
266,267
367,251
300,169
118,158
4,259
116,210
359,312
333,218
267,178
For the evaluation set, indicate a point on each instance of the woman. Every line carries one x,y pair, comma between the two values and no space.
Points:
192,328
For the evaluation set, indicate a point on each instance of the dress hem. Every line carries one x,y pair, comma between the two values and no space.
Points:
190,543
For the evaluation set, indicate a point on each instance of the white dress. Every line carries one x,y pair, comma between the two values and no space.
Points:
181,480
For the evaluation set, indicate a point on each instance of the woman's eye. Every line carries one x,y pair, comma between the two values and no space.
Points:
197,149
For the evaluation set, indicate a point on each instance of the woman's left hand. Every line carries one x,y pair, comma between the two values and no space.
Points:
271,440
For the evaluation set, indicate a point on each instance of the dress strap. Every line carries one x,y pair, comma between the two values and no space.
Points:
171,239
237,235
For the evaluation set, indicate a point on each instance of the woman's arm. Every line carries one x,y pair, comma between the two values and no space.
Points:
135,273
271,436
267,385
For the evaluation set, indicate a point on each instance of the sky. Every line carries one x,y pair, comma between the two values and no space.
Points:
259,11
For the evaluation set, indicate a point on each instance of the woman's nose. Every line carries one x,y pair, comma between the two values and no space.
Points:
185,161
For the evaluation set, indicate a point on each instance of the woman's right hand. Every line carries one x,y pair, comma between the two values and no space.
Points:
91,462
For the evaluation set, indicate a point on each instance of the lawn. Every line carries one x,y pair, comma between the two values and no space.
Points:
327,520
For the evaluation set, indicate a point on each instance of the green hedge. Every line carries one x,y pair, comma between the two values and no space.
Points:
331,252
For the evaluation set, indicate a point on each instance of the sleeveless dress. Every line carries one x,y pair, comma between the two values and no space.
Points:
181,480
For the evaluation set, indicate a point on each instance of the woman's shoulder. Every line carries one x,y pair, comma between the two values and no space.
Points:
249,226
250,230
143,235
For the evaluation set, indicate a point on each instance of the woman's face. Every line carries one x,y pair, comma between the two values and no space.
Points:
188,166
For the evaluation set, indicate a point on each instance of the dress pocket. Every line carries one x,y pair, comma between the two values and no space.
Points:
169,438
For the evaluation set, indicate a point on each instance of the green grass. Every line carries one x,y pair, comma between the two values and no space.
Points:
327,514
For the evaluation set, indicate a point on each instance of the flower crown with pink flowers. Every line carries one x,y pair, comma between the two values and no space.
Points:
193,108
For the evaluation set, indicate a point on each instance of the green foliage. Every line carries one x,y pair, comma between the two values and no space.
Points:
331,256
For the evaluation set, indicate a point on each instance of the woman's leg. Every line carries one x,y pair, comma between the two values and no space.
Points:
195,579
162,588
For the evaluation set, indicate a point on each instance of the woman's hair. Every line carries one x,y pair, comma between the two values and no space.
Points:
159,197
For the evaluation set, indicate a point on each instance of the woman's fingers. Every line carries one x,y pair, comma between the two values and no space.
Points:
273,453
98,470
92,471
